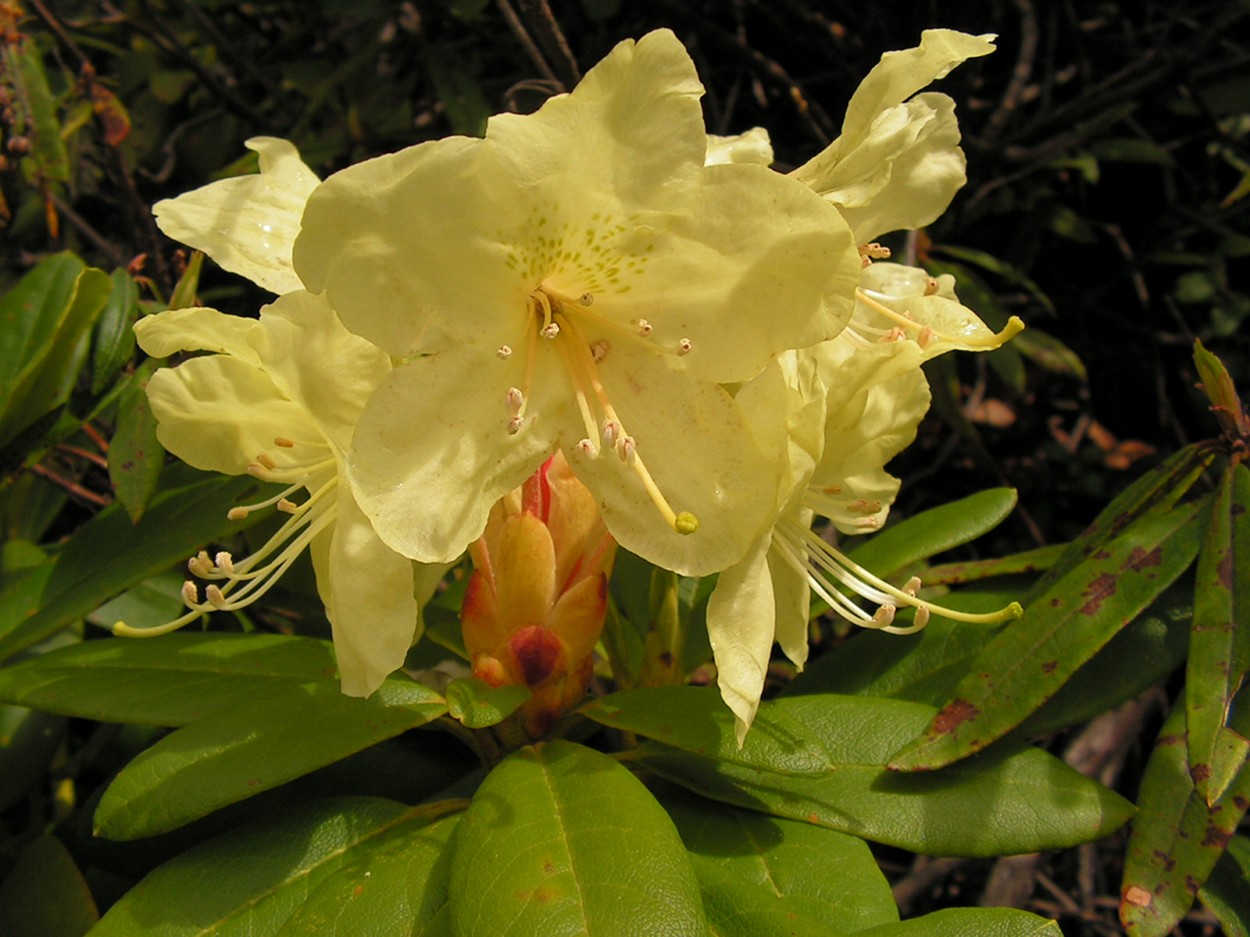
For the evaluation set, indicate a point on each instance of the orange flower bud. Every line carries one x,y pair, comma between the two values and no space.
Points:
536,601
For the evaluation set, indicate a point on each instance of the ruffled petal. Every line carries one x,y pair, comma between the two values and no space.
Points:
631,133
196,329
317,363
247,224
760,266
740,629
694,441
753,146
416,250
432,452
367,589
218,413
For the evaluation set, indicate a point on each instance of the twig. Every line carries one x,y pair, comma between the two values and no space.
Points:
71,486
522,35
538,14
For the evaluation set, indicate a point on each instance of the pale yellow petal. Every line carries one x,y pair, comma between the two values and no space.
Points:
367,589
753,146
196,329
247,224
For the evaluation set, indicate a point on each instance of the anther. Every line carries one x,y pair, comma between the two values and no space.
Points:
684,346
931,286
515,424
864,506
611,431
504,352
199,565
190,594
685,523
873,251
587,448
884,616
922,617
514,400
283,443
236,514
912,586
599,350
926,337
224,562
215,597
895,334
625,448
287,506
867,523
586,299
267,461
550,330
644,327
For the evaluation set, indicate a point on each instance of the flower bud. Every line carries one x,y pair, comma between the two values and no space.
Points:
536,601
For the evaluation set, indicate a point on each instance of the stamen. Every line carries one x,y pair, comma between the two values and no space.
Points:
237,514
644,327
550,330
684,346
215,597
199,565
514,400
190,594
587,448
626,449
586,299
224,562
599,350
287,507
283,443
1013,327
873,251
504,352
267,461
611,432
515,424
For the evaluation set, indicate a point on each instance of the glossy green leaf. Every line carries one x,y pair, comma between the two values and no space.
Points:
970,922
478,705
164,681
1227,889
109,554
1177,838
250,882
561,840
694,718
1011,799
44,322
1219,650
762,876
135,456
45,895
1032,657
237,752
935,531
113,342
398,885
1028,561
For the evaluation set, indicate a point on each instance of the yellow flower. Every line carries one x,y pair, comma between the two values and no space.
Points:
248,223
279,399
578,281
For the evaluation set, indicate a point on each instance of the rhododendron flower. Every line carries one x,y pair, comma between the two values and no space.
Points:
580,281
835,415
535,604
247,224
279,399
897,163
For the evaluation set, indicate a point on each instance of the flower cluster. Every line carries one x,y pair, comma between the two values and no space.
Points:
594,325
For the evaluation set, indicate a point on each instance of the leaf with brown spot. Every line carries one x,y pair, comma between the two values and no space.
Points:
1177,838
1219,643
1008,681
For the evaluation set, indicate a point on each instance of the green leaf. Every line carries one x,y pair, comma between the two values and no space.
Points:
1156,491
478,705
113,342
1007,800
164,681
1032,657
44,324
236,752
135,456
251,881
1219,649
45,894
394,884
108,554
762,876
1227,889
967,922
561,840
1177,838
48,160
935,531
693,719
